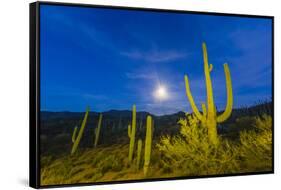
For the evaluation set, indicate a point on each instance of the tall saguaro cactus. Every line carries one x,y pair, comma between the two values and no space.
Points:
97,131
132,133
139,153
148,142
209,116
76,139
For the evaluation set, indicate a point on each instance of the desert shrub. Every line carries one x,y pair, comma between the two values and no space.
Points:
97,158
110,163
256,145
191,154
242,123
45,161
232,130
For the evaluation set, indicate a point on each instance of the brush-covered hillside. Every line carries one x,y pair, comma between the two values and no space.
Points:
179,146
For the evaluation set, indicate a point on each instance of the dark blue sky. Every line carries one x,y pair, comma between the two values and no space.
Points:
112,59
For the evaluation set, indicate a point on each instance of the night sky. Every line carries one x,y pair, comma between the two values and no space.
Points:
112,59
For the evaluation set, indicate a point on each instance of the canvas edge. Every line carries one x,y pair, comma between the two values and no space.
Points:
34,167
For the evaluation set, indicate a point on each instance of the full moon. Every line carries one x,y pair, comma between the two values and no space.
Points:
161,93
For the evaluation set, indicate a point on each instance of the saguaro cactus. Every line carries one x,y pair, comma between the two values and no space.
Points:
139,153
74,134
97,131
132,133
209,116
148,142
76,140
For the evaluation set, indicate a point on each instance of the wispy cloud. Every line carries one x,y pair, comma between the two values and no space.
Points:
155,56
135,75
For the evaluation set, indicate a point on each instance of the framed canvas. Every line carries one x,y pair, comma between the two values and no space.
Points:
121,94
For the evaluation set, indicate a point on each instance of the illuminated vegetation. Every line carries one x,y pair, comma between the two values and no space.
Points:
148,142
209,118
132,133
186,154
97,131
76,139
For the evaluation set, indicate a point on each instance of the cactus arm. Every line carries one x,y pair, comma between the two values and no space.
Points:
139,153
132,134
80,134
97,130
211,67
74,134
191,100
204,110
229,104
148,142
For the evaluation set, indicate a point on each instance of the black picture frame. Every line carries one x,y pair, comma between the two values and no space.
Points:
34,91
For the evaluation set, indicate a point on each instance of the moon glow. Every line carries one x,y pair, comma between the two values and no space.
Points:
161,93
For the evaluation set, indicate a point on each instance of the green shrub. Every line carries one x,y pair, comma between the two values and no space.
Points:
240,124
256,145
192,154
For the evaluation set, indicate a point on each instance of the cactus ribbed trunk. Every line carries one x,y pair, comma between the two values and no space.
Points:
80,134
97,131
148,143
211,115
132,134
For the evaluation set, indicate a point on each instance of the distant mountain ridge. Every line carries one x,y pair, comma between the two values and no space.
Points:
112,113
128,113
